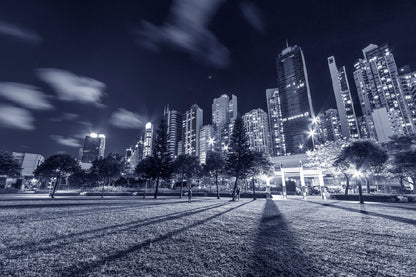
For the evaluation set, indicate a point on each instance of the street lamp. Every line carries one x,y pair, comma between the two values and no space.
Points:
315,120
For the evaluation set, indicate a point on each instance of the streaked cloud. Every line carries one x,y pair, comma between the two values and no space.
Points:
187,30
25,95
64,117
125,119
71,87
16,118
19,32
253,16
66,141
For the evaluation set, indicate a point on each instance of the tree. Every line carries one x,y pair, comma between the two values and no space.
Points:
239,156
186,166
8,165
214,166
260,165
107,169
147,168
400,164
162,160
58,165
325,156
405,166
363,157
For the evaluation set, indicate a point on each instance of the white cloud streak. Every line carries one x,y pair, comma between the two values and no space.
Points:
125,119
25,95
16,118
253,16
71,87
66,141
19,33
187,29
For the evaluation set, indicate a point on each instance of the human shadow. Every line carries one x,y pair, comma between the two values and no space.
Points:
278,251
361,211
83,268
62,240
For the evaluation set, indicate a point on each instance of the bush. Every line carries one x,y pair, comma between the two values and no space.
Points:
9,190
369,198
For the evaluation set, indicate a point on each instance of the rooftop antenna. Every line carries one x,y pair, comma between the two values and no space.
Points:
287,44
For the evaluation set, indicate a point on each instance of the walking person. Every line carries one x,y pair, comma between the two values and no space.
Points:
238,193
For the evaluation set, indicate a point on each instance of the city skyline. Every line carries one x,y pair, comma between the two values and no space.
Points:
61,120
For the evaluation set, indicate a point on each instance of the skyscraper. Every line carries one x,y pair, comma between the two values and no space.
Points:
174,122
256,125
295,98
148,140
94,147
378,86
224,112
345,105
408,86
277,145
329,126
191,124
206,140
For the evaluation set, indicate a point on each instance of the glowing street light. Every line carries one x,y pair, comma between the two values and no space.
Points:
315,120
312,133
211,141
357,173
300,146
225,148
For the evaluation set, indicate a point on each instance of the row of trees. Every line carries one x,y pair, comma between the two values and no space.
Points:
240,162
362,159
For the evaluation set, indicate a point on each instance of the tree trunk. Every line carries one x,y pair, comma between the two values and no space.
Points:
58,179
347,187
102,190
235,187
367,182
254,189
180,194
360,193
145,188
414,184
216,184
401,185
157,187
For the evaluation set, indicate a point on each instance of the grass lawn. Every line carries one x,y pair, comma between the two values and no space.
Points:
208,237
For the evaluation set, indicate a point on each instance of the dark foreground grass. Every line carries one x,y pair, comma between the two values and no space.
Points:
170,237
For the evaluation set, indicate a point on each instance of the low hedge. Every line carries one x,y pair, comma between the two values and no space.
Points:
107,194
372,198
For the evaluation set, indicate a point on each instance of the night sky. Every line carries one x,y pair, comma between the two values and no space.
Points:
71,67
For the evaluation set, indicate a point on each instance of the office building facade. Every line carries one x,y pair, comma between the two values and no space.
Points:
94,148
277,145
256,125
191,125
345,105
295,98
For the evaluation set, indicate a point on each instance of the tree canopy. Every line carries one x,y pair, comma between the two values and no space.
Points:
239,155
8,165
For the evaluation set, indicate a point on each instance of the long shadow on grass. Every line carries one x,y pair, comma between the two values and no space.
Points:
100,202
78,213
277,250
390,217
28,248
83,268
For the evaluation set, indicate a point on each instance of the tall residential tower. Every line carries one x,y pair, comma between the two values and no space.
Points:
345,105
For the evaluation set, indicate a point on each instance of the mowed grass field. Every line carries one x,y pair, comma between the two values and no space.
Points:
208,237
